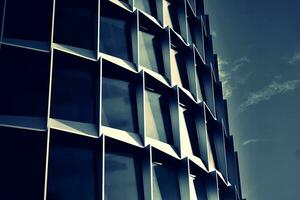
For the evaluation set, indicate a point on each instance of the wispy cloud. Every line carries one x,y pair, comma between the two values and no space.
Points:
251,141
238,63
225,76
214,34
294,58
274,88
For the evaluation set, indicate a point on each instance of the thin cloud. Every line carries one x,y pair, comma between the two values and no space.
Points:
238,63
252,141
294,59
225,78
274,88
214,34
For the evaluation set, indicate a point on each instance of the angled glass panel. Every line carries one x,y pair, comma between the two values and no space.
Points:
190,29
1,14
73,172
199,86
158,123
119,109
171,15
123,177
23,158
24,82
179,71
115,34
150,52
75,89
148,6
197,188
165,182
28,20
76,23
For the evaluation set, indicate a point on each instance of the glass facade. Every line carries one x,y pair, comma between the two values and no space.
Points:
115,36
99,115
117,167
158,124
119,92
150,52
165,182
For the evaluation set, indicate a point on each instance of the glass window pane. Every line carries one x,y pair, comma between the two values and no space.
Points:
71,18
158,125
165,183
186,140
150,52
24,82
115,37
170,15
22,166
122,178
179,71
148,6
73,168
28,20
74,89
118,92
197,189
199,88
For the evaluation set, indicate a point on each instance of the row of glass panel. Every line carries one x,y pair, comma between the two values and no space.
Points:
79,167
75,95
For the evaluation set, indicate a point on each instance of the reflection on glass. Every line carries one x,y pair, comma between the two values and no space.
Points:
165,182
22,166
197,188
157,117
115,38
147,6
170,15
76,23
199,89
74,89
190,31
187,147
150,52
72,173
122,178
24,82
119,104
179,72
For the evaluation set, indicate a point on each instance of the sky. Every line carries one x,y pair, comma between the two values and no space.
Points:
258,46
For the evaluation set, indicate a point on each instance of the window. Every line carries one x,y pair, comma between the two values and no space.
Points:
1,15
24,82
179,71
171,15
150,52
75,89
190,29
119,92
197,187
76,23
165,182
158,122
22,173
28,20
115,34
148,6
74,168
116,186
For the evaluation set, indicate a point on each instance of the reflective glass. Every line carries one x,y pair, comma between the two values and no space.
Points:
28,20
171,15
22,168
73,168
122,178
147,6
158,125
150,52
179,71
165,183
24,82
197,189
199,88
76,23
115,37
119,104
74,89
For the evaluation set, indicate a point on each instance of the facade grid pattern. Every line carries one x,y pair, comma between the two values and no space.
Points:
112,99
